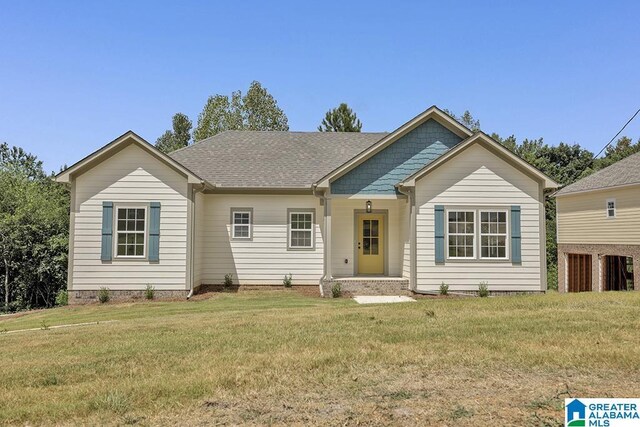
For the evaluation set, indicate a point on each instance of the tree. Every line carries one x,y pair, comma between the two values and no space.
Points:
623,147
341,119
33,231
257,110
466,119
178,137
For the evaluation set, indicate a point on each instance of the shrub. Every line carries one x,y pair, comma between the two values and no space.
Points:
287,280
444,289
228,280
62,297
150,292
483,289
336,290
103,295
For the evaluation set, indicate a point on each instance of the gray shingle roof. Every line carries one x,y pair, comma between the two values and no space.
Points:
624,172
269,159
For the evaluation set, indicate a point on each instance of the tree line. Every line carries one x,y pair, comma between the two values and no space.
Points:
255,110
34,210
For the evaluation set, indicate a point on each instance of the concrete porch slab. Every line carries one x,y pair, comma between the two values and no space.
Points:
382,299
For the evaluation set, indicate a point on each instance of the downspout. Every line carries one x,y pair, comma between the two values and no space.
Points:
193,237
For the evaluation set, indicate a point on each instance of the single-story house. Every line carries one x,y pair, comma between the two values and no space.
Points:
431,202
598,228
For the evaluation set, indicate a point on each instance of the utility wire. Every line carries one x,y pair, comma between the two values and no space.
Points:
608,144
616,135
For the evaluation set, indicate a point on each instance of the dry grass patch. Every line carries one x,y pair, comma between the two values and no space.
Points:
280,358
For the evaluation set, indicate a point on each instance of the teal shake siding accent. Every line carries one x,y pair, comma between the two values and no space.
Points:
406,156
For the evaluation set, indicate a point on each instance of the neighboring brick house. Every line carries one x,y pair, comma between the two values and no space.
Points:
430,202
598,221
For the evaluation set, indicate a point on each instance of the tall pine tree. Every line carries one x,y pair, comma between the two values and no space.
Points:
341,119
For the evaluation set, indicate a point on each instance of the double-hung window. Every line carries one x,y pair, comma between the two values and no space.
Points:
477,234
241,224
611,208
301,230
493,234
461,241
131,230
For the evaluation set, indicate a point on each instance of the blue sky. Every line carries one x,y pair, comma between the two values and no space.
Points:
75,75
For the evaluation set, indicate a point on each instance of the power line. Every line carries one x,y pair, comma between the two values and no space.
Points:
593,159
616,135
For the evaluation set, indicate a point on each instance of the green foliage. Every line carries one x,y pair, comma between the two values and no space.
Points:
34,224
149,292
483,289
552,277
444,289
228,280
62,297
104,295
466,120
624,147
257,110
177,138
287,281
341,119
336,290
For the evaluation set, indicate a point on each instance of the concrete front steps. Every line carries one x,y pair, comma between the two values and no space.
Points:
368,286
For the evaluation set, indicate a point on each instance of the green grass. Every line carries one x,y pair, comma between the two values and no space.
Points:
280,357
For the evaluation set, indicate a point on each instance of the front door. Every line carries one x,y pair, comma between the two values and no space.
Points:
370,244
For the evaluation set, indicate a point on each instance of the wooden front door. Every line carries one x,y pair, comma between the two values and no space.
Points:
371,244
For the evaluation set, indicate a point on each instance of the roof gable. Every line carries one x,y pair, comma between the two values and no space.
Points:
432,112
381,172
116,146
493,146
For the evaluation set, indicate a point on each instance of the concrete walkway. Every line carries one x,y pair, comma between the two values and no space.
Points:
382,299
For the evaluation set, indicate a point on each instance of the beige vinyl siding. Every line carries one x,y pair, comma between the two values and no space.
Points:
130,176
478,178
405,236
265,259
582,217
343,236
198,239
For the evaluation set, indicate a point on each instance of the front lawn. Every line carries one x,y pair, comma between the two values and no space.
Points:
278,357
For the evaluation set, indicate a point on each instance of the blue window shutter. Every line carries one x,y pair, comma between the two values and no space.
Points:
516,237
154,231
439,233
107,231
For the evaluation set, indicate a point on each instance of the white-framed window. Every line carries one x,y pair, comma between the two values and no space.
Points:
131,231
611,208
461,234
241,223
301,229
493,234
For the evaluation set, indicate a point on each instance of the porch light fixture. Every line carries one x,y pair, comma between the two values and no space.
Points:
368,206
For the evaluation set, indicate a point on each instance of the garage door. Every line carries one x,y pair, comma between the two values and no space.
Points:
579,272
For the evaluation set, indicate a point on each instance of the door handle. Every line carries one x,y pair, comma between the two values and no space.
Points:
359,245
